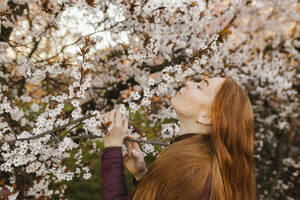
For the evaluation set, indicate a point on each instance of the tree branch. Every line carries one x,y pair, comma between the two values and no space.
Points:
83,136
53,130
125,139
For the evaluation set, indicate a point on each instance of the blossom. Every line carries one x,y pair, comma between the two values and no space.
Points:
136,95
86,66
67,144
87,176
151,81
35,107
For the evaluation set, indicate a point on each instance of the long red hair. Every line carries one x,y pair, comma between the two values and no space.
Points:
233,143
181,169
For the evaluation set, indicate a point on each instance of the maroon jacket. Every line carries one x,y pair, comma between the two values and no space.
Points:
113,184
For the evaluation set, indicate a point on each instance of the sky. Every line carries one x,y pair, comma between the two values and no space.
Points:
81,22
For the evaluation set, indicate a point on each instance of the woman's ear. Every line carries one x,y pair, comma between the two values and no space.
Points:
204,119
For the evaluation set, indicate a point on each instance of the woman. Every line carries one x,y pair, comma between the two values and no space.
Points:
211,158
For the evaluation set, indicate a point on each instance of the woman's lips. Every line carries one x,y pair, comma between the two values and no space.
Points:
180,91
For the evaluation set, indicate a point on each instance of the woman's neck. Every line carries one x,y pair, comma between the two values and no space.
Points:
193,127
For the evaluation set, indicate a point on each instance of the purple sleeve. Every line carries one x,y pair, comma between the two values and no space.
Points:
113,183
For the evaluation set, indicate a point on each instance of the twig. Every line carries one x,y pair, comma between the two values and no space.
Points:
83,136
52,131
68,131
125,139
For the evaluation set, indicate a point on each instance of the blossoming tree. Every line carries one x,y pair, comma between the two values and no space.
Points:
56,81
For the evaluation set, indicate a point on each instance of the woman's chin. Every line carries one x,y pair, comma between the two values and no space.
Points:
173,102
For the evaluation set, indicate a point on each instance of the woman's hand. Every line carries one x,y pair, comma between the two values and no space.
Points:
119,128
134,160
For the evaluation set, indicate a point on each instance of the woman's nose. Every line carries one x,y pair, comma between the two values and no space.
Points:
188,84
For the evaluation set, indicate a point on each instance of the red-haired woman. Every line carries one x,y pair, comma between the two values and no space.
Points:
210,159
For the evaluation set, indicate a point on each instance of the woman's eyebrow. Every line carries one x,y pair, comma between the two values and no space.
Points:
205,81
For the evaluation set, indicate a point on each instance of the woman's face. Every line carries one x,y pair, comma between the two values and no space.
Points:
196,97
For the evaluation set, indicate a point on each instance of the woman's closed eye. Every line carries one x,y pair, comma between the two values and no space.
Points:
206,81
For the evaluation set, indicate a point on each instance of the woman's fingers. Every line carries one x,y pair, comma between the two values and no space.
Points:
125,124
105,118
111,116
128,150
129,144
115,116
136,146
124,153
118,119
133,145
135,153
